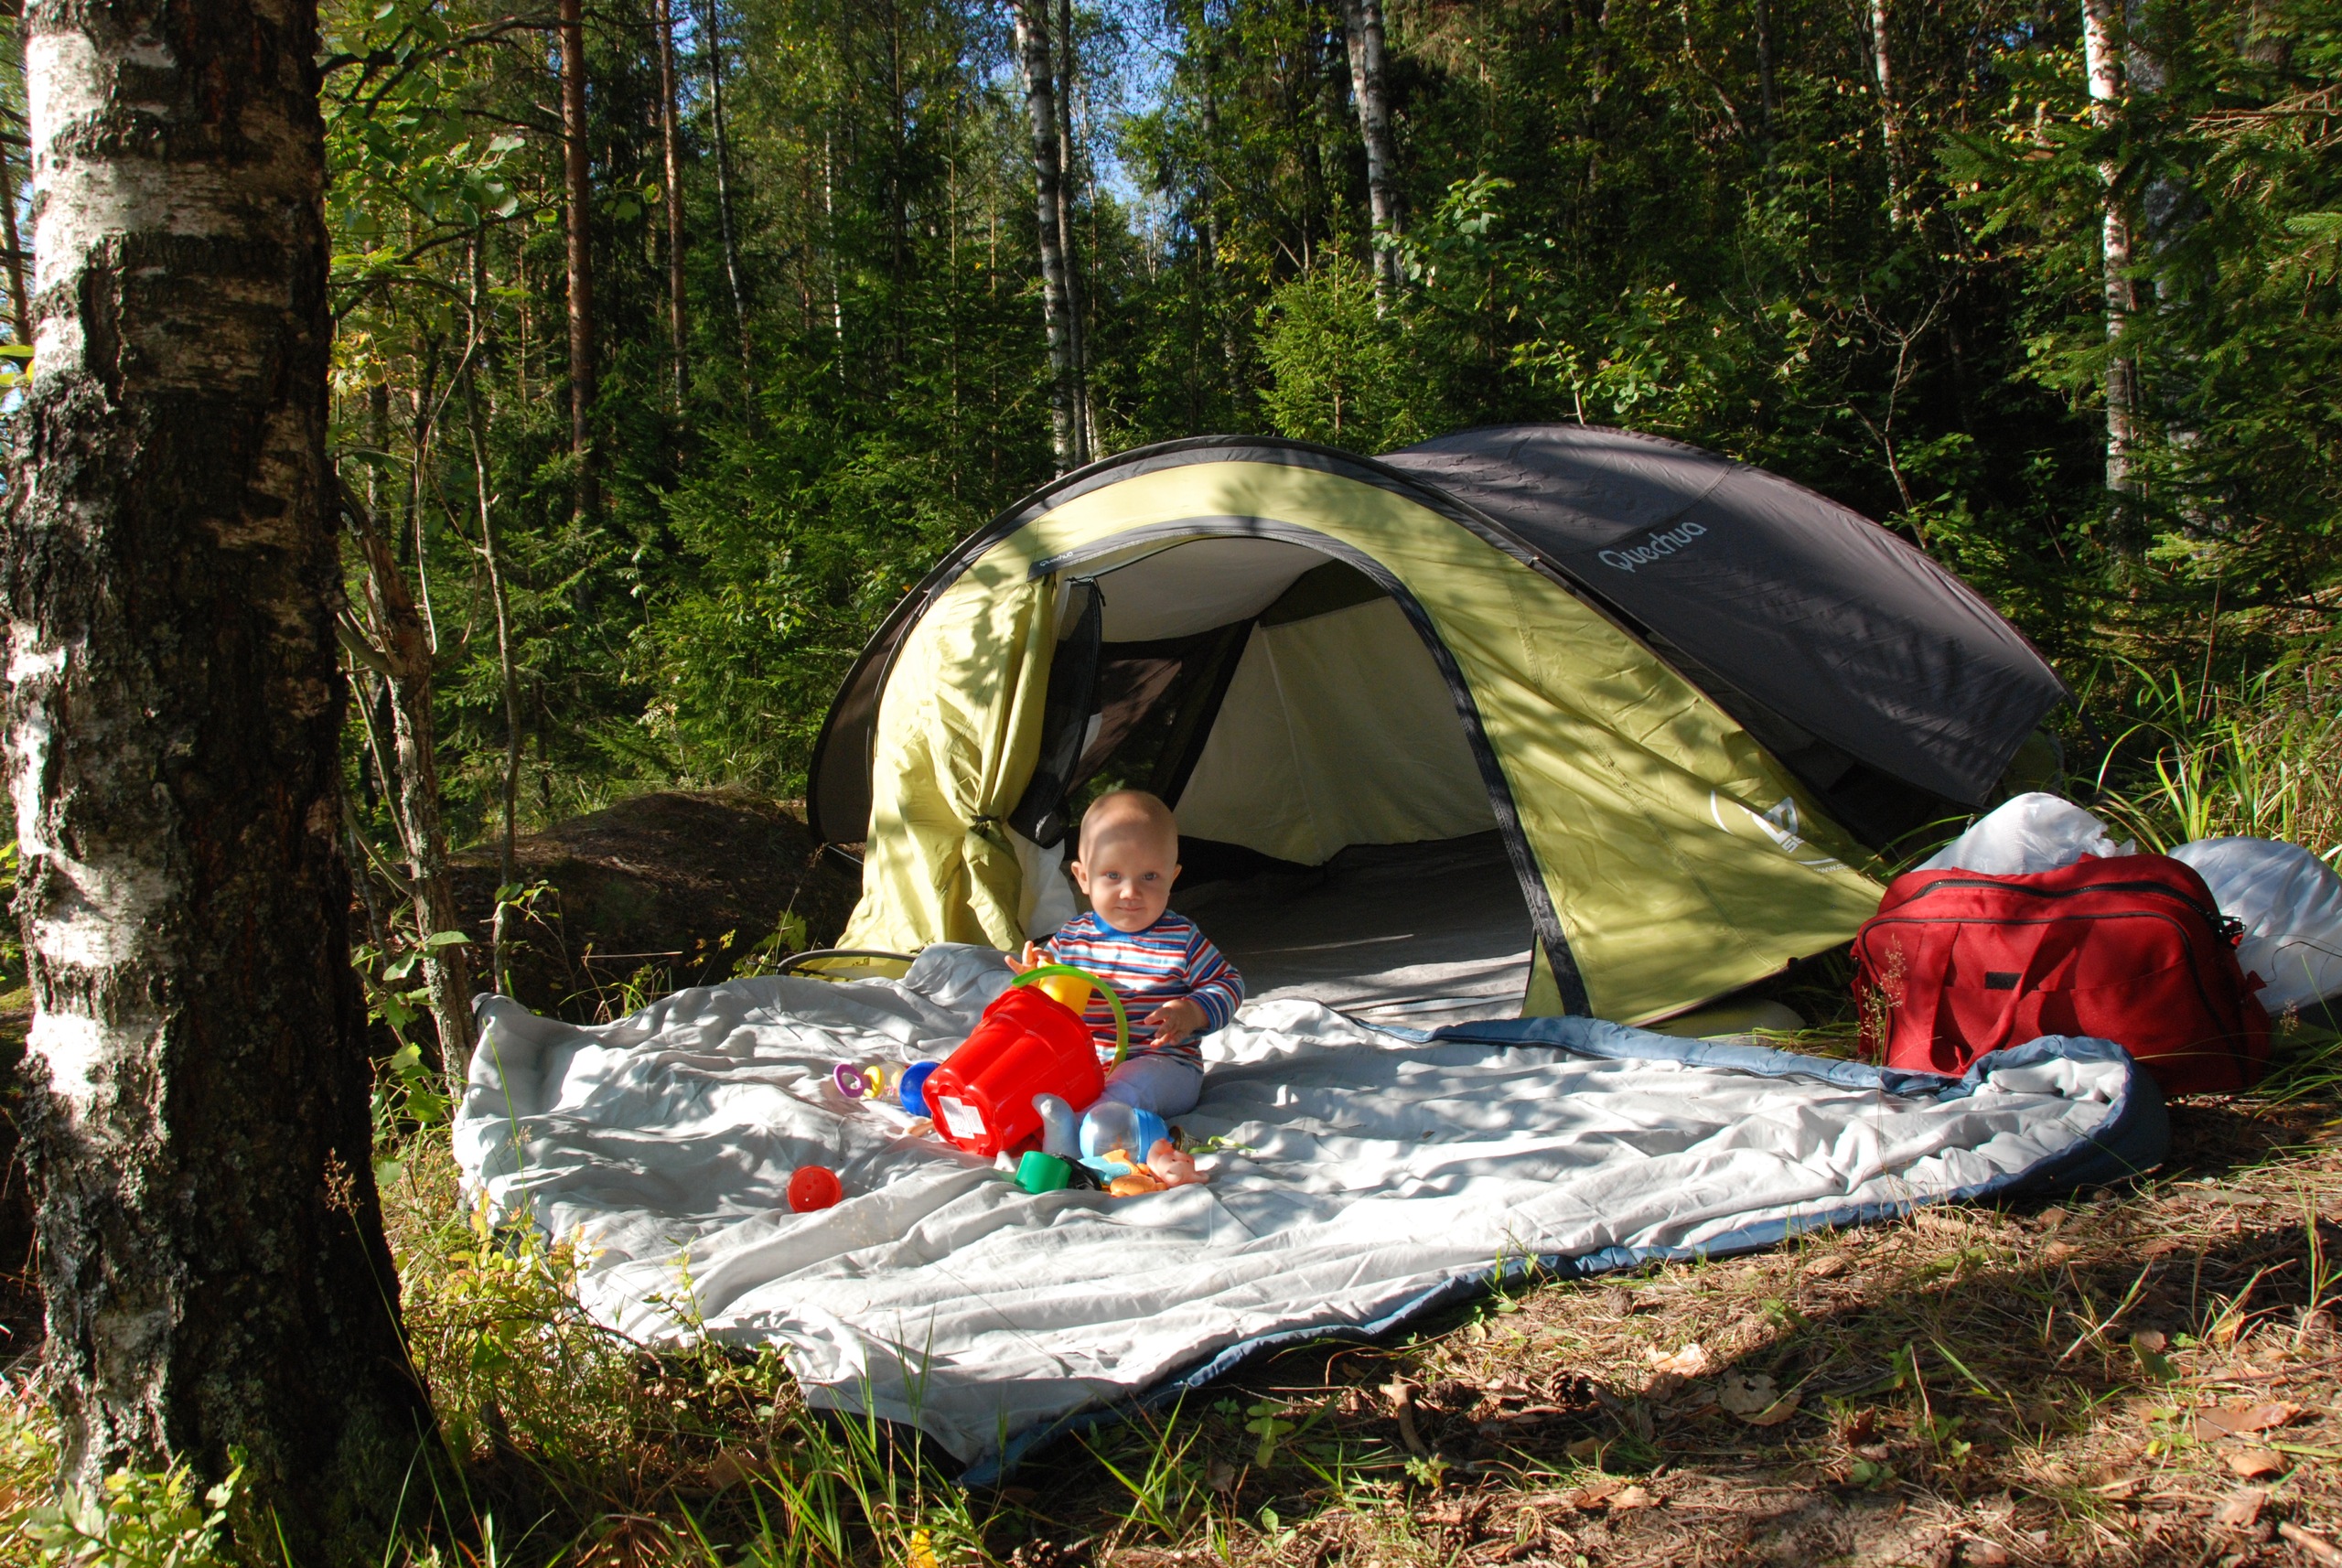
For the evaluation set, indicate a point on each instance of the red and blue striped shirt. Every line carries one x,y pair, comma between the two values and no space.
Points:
1168,959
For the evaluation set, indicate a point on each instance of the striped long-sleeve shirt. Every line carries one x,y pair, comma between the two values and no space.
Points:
1168,959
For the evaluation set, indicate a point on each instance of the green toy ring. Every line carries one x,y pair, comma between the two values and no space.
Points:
1122,1019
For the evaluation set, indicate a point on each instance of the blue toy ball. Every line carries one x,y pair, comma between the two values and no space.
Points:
914,1087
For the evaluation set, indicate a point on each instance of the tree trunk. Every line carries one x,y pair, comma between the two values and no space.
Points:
20,311
1890,119
1032,54
671,140
507,872
1764,19
711,27
2102,61
1077,324
579,201
211,1245
398,647
1362,22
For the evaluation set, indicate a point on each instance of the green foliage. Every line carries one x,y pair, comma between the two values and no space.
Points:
1339,371
138,1519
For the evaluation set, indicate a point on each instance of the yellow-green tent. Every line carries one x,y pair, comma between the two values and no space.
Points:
1688,696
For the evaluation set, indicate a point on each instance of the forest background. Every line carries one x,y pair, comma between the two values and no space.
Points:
676,337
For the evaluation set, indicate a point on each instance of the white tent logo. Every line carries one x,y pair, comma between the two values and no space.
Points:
1780,824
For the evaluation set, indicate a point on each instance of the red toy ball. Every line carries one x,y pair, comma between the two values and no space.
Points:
813,1186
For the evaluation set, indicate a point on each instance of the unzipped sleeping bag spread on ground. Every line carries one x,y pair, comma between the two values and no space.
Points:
1362,1179
1678,697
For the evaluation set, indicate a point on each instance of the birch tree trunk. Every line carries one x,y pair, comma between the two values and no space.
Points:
1076,322
211,1246
2102,62
579,205
1362,22
711,28
1033,55
1890,118
671,145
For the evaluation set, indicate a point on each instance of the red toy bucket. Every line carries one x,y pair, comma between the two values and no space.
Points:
1027,1044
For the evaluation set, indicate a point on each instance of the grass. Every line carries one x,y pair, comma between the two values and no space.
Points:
2049,1382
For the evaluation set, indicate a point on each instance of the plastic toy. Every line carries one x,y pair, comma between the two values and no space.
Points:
813,1186
910,1091
1038,1172
863,1082
1060,1132
1172,1164
1071,987
1111,1129
1027,1043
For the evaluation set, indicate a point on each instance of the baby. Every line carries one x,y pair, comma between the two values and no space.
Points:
1155,960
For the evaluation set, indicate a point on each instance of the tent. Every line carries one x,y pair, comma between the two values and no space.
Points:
1680,698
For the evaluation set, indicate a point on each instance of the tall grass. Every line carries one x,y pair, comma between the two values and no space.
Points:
2262,758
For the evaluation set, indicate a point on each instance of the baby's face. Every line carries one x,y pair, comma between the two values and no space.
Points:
1128,877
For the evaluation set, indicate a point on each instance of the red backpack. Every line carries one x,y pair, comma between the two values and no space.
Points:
2131,950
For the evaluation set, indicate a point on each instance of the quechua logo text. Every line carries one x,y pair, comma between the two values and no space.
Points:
1657,547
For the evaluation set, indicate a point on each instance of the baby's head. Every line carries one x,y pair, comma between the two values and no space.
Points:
1128,858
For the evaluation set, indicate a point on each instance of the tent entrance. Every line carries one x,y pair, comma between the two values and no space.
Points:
1340,837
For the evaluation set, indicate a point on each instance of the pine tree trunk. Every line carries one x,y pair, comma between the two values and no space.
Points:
1362,22
2102,63
670,140
1032,54
211,1245
578,202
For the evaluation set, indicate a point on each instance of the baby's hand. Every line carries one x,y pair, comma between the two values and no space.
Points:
1175,1020
1032,958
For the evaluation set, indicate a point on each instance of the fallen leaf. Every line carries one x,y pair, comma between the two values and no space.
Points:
2252,1464
2228,1420
1585,1450
1876,1453
1983,1553
922,1552
1664,1386
2242,1509
1220,1476
2050,1218
1744,1394
2163,1247
729,1469
2118,1491
1828,1266
1779,1411
1690,1361
1596,1496
1633,1498
2151,1340
2058,1251
1619,1301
